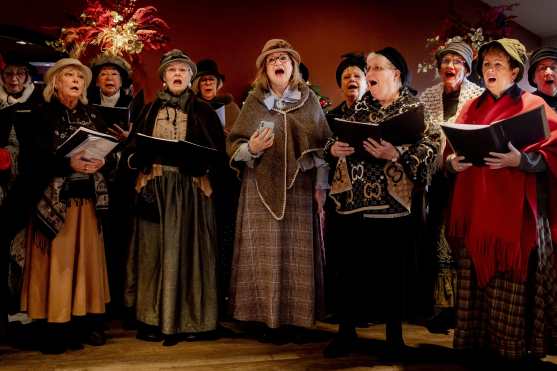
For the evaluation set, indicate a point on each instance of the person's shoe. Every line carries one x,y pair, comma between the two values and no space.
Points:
149,335
53,347
340,346
96,338
170,340
442,322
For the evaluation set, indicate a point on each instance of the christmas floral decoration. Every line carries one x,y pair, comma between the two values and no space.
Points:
494,24
113,28
324,101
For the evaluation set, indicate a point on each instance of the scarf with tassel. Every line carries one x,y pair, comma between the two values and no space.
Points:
494,211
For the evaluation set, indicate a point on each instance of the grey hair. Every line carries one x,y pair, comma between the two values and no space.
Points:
50,87
373,54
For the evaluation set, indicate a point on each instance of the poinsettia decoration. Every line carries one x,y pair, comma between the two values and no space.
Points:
324,101
114,28
494,24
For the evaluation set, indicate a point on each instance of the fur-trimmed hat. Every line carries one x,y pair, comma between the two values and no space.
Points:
68,62
537,56
350,60
176,55
276,46
456,47
514,48
120,64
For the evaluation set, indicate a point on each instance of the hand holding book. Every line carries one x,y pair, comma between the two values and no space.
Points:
381,149
79,163
501,160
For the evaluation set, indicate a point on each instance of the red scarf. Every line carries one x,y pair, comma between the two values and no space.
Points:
494,211
5,159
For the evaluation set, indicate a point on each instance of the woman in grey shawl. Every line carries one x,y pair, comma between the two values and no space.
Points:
277,145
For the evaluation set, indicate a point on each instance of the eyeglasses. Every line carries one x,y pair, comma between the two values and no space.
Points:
378,68
20,74
207,80
543,67
282,59
455,61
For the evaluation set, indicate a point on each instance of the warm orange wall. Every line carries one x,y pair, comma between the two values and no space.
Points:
233,32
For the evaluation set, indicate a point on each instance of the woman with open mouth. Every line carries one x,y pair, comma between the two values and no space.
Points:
171,279
372,191
500,224
351,79
542,74
442,103
65,280
277,144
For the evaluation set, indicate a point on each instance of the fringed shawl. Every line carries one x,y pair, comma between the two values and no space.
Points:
494,211
300,130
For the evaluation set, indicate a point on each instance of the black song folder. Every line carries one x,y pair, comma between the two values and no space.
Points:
474,142
405,128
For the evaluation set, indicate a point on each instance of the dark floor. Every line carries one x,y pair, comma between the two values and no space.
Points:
124,352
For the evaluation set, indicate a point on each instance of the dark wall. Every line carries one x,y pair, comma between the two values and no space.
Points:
233,32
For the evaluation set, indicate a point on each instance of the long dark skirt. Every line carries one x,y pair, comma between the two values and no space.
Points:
374,263
171,272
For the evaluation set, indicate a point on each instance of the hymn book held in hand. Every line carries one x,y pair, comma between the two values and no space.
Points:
474,142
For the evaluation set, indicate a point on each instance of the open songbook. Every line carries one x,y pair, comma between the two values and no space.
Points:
474,142
406,128
96,145
114,115
192,158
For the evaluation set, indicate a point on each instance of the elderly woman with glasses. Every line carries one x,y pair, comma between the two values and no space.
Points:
442,103
372,192
542,74
171,274
277,143
502,222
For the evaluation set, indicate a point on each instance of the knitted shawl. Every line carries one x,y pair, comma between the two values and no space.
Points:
300,130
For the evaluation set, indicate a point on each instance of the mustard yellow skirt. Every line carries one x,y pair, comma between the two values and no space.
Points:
66,277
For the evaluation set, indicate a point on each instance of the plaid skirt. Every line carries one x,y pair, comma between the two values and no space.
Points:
509,318
273,268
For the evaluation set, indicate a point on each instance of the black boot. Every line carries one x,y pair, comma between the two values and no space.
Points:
53,338
343,343
148,333
396,349
171,340
442,322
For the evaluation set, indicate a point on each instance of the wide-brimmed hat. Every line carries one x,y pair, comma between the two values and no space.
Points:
120,64
175,55
537,56
350,60
514,48
208,67
68,62
276,46
457,47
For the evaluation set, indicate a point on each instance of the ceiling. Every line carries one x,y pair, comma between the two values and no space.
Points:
537,16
